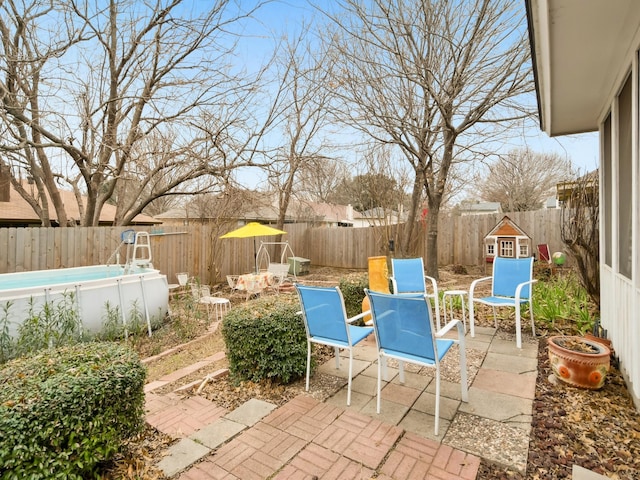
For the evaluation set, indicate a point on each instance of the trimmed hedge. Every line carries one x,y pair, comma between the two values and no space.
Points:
63,411
266,339
352,289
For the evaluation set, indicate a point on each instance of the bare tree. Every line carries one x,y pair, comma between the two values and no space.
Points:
522,179
384,186
319,177
433,79
580,230
304,99
115,78
26,51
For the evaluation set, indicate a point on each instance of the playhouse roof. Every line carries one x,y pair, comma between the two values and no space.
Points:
506,228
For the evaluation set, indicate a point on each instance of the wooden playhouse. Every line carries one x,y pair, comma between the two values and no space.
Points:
507,239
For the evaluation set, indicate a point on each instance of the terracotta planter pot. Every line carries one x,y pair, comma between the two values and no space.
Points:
604,341
586,368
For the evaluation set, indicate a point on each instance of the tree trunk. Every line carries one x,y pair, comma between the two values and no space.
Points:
431,262
410,230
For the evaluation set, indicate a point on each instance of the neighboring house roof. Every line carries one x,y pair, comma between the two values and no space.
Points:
17,212
262,207
469,208
380,212
174,213
327,212
573,90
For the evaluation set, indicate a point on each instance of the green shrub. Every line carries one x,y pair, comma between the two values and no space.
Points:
352,289
266,339
63,411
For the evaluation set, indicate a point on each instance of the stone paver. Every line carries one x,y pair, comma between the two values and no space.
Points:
303,417
323,463
400,394
181,455
359,437
417,457
515,384
514,411
215,434
251,412
510,363
307,438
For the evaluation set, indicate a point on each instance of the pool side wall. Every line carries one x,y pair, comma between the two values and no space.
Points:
93,288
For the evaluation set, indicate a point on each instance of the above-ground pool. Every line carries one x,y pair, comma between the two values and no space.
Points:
95,293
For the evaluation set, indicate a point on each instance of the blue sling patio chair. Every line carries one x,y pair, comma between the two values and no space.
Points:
326,323
404,330
511,286
407,276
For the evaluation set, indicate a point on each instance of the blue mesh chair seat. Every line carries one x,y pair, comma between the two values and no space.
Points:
404,330
511,286
326,323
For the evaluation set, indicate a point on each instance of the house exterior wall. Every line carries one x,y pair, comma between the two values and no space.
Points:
585,56
620,220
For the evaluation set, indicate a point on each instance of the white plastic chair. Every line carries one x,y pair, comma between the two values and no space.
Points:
183,278
511,286
404,331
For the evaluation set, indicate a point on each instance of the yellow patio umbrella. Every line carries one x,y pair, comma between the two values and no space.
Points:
253,229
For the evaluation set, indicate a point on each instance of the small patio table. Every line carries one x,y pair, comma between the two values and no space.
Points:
449,295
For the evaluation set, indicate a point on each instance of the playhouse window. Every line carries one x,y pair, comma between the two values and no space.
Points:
491,249
524,250
506,248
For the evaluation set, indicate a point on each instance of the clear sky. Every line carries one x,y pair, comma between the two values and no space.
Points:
583,149
279,16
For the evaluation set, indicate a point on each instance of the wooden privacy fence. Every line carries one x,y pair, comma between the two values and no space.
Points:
198,250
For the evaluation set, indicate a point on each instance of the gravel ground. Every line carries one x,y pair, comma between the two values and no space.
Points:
597,430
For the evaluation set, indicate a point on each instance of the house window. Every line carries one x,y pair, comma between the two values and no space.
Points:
506,248
491,251
524,250
624,180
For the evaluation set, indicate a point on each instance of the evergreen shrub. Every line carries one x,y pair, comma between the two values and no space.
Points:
266,340
63,411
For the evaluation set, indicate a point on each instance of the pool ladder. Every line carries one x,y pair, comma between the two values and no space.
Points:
141,255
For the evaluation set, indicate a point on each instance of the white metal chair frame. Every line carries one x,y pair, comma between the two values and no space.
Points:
232,281
326,323
511,286
280,275
404,330
202,294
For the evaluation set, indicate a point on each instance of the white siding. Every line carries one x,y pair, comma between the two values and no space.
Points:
618,302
